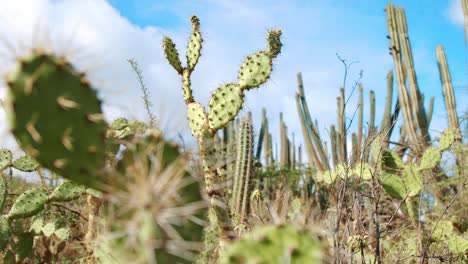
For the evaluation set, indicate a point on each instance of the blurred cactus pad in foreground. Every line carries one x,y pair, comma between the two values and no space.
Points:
84,188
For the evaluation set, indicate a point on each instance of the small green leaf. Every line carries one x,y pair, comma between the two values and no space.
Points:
4,232
430,159
26,164
28,204
446,140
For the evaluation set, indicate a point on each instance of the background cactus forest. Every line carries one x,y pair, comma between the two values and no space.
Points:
383,190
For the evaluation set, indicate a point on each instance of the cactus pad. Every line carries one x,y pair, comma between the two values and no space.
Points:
56,117
26,164
255,70
430,159
4,232
274,43
393,185
67,191
170,51
413,180
197,119
194,45
119,123
447,139
225,104
3,191
275,245
5,159
28,204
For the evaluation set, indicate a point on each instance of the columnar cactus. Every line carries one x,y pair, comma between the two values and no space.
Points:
244,171
224,105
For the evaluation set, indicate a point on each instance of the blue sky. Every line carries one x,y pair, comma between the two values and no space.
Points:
316,30
98,36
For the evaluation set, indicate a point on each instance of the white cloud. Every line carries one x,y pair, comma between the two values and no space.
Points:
99,40
455,13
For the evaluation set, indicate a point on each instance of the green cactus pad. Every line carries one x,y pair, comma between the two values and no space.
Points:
37,223
197,119
255,70
430,159
225,104
5,159
26,164
363,171
186,89
4,232
28,204
447,139
194,45
275,245
274,43
119,123
170,51
393,185
413,180
24,247
412,207
56,117
137,127
328,177
67,191
3,191
391,162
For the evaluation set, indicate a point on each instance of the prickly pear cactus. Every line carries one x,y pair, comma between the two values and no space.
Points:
28,204
5,159
67,191
275,245
154,183
56,117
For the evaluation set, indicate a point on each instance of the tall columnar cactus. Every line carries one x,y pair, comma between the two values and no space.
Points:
243,172
386,123
225,103
449,96
412,105
314,145
50,104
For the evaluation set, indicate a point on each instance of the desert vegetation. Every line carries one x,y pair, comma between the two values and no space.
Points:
120,192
